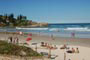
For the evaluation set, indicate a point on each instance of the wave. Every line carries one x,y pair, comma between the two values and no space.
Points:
54,29
78,29
58,29
32,28
49,29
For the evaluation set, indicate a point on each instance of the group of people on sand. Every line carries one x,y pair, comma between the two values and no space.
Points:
14,40
64,47
68,49
73,50
44,44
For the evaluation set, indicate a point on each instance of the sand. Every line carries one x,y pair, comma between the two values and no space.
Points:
82,43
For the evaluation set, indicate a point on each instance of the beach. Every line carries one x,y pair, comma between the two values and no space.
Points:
82,43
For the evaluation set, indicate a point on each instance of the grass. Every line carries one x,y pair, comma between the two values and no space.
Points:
12,49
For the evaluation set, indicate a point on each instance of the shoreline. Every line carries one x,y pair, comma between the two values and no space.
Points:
43,38
82,43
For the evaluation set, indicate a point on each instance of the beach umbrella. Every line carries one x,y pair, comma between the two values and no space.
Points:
28,39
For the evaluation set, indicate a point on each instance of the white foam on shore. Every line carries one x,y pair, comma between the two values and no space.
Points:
58,29
78,29
33,28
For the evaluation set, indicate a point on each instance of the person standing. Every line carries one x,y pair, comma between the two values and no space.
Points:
64,56
77,50
16,40
73,34
10,39
52,37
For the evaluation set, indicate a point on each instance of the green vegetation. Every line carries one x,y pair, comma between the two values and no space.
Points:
20,21
12,49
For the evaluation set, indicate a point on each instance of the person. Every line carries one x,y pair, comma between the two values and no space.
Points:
64,56
69,51
16,40
64,46
55,47
77,50
45,44
51,47
73,50
21,33
52,37
10,39
42,44
73,34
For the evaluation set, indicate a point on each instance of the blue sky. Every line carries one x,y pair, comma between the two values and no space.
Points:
51,11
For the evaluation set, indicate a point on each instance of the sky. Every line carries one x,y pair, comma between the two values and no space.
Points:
50,11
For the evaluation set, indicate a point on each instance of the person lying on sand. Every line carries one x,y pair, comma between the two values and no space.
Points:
52,47
55,47
64,46
71,51
42,44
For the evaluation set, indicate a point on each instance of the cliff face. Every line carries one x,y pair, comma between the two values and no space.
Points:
43,24
36,24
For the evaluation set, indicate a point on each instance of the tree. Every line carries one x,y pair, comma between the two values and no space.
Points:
19,17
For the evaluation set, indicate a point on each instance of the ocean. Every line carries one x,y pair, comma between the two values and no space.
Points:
80,30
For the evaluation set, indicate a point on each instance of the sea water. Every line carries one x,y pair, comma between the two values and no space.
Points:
80,30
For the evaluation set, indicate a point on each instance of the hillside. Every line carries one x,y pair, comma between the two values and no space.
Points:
11,49
8,20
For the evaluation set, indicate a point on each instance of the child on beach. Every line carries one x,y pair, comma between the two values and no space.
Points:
77,50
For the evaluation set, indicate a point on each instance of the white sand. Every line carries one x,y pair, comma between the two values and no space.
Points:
82,44
83,55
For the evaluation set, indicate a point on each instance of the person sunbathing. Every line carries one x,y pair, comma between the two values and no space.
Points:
71,51
55,47
64,46
42,44
46,45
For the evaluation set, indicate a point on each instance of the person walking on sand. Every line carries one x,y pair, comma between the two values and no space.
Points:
64,56
16,40
10,39
52,37
73,34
